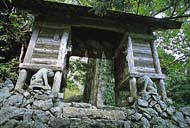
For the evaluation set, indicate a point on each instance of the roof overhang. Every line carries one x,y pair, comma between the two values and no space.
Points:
44,9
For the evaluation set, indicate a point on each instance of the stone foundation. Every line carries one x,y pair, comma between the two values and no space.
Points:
38,109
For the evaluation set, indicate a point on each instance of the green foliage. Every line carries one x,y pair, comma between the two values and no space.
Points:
178,78
9,70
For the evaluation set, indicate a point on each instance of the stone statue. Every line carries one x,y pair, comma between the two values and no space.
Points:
146,84
41,77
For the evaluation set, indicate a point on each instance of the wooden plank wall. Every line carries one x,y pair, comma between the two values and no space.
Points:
143,59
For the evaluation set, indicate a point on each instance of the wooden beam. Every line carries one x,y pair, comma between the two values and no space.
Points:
39,66
31,46
141,36
130,58
52,25
151,75
121,45
62,49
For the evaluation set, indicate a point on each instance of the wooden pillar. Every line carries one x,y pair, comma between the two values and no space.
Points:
133,87
161,85
21,79
130,59
57,83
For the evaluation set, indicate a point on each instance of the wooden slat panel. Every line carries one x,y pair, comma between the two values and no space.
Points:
146,47
45,46
48,41
144,69
43,50
136,54
44,61
142,51
39,66
144,62
42,55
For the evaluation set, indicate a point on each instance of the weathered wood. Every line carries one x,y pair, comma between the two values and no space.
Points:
143,59
156,59
130,58
141,36
142,51
151,75
39,66
57,83
133,87
144,69
21,79
136,54
45,46
63,45
44,55
47,41
162,90
121,45
44,61
43,50
52,25
31,46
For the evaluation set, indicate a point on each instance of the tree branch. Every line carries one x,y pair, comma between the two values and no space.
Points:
161,10
178,17
138,5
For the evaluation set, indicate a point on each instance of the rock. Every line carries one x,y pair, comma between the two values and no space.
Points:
170,110
150,111
62,104
145,123
187,120
11,113
136,117
158,108
26,94
185,111
130,112
152,103
142,103
179,118
8,83
164,115
40,116
156,97
171,124
14,100
127,124
56,111
4,96
162,105
81,105
146,115
10,124
145,96
42,104
158,122
38,124
4,90
42,97
27,102
38,87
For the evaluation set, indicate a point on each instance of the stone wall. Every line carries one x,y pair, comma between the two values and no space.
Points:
36,108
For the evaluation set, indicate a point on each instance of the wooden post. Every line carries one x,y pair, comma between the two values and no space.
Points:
133,87
130,59
161,86
57,83
21,79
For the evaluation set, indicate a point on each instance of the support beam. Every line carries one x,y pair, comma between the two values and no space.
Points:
57,84
162,90
133,88
21,79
